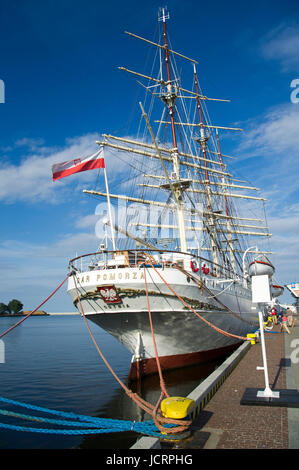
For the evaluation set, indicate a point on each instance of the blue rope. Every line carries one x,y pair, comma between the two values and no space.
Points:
48,420
272,332
55,431
93,425
53,412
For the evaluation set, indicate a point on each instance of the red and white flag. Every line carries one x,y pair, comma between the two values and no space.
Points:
60,170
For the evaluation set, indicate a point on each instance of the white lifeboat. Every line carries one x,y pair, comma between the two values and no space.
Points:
261,267
276,290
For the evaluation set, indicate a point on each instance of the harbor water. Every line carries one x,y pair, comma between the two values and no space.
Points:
51,361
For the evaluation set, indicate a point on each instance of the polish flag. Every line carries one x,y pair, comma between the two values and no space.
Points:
60,170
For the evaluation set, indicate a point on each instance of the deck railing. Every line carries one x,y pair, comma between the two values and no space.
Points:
106,259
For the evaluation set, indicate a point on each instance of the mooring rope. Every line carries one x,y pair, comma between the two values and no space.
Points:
214,296
99,425
89,424
219,330
160,421
162,383
167,426
33,311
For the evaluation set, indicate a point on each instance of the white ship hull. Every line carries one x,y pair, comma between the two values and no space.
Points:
182,338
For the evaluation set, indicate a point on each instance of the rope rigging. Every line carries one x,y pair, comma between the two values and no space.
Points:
90,425
33,311
225,333
167,426
160,421
213,296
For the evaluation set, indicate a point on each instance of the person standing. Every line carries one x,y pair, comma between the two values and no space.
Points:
274,315
284,323
290,318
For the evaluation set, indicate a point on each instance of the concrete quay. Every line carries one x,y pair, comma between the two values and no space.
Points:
219,419
226,424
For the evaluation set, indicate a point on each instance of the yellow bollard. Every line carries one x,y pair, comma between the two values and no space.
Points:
252,336
176,407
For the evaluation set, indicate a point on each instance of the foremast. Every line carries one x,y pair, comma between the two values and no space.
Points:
170,98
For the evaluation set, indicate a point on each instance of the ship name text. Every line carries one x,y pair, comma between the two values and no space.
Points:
111,276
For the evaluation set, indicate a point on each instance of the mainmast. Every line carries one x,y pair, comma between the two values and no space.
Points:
169,98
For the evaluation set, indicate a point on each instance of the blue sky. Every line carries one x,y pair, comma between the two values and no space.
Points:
58,61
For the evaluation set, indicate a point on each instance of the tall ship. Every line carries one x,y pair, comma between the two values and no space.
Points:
183,234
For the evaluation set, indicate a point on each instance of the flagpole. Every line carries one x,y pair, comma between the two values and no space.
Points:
109,209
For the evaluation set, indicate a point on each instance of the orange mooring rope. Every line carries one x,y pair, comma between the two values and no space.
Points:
182,425
162,383
192,310
213,296
23,319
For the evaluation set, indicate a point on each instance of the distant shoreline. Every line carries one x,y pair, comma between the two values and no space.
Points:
64,313
7,315
38,314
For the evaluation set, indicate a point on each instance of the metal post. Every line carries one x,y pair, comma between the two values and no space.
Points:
244,267
267,392
109,210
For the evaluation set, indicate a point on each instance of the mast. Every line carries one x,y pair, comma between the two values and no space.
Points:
228,222
109,210
210,180
169,100
203,141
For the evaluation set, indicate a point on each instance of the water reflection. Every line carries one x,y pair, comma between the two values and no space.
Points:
52,362
179,382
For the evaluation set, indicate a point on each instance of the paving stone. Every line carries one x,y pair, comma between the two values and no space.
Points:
236,426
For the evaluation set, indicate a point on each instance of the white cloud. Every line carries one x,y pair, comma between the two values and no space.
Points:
87,221
33,271
269,158
273,133
282,44
65,247
32,144
286,248
269,154
31,179
285,225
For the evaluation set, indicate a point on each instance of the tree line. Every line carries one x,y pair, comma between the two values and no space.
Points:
12,308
